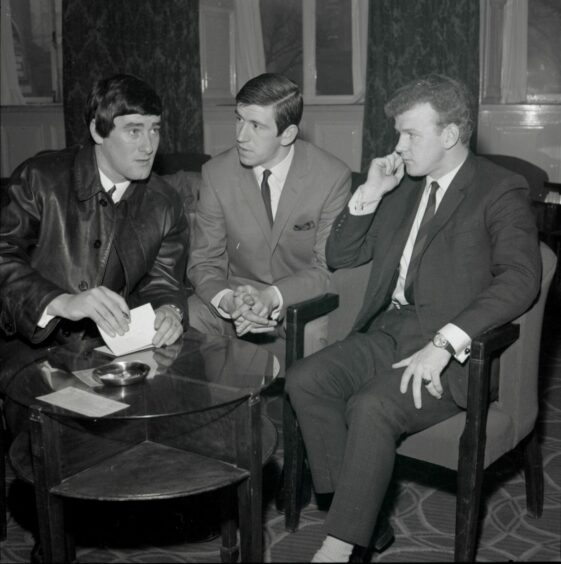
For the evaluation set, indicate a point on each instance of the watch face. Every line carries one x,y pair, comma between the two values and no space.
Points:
439,341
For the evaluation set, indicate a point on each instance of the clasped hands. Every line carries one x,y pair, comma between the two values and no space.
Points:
251,309
111,313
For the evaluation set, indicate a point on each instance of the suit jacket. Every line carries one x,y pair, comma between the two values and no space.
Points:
234,243
480,267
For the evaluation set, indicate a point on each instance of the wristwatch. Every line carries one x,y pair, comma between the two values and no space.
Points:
440,341
177,310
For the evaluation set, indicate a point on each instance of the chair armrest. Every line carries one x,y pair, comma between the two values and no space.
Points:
483,348
297,315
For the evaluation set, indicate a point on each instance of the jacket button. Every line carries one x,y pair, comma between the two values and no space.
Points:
83,285
103,202
97,244
66,333
10,327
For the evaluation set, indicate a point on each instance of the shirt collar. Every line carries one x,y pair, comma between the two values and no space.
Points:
446,180
279,171
108,184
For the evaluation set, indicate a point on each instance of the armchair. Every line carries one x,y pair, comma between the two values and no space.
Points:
470,441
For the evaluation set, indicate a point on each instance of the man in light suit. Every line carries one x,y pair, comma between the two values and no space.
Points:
265,210
471,265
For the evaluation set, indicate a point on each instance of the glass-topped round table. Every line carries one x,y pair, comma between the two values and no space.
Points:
194,425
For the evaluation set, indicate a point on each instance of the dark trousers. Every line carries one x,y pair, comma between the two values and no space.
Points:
352,415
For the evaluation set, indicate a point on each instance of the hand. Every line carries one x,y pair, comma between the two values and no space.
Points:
168,326
106,308
425,367
253,309
384,174
165,356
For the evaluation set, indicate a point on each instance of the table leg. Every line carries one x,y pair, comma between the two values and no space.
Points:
250,491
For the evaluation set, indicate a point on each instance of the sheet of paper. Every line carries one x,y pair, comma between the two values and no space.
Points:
83,402
138,337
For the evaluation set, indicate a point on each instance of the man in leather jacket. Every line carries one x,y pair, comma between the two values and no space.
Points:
87,233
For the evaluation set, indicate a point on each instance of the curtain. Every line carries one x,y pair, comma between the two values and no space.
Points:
10,92
157,41
250,54
515,52
360,37
407,40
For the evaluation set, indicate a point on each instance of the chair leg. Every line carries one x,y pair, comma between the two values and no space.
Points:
229,551
293,467
469,485
533,473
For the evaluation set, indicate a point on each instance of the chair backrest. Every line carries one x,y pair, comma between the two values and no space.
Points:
518,376
536,176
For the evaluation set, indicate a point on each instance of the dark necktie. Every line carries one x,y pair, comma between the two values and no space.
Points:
111,191
266,194
420,243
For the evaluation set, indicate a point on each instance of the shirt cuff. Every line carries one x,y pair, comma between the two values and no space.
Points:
358,205
216,302
45,319
459,339
276,312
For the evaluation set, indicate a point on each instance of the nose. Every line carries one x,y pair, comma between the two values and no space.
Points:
148,145
400,146
241,130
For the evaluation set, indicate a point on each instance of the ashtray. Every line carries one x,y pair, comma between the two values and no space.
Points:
121,373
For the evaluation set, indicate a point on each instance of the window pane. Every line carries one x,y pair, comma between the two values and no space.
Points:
281,22
544,48
334,47
32,28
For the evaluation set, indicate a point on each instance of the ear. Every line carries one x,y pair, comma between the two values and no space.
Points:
450,135
95,135
289,134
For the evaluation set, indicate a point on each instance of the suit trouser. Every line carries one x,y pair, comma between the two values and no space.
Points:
352,415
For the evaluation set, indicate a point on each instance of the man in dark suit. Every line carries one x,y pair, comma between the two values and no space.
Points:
455,252
265,210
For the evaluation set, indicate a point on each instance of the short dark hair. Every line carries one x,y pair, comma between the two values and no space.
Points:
120,95
449,98
270,89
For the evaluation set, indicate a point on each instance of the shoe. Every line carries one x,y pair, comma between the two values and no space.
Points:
382,538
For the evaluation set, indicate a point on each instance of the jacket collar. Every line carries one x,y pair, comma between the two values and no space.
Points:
85,174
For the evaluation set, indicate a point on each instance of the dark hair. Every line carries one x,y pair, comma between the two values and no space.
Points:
276,90
120,95
448,97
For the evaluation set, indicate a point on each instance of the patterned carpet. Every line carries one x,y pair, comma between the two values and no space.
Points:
422,512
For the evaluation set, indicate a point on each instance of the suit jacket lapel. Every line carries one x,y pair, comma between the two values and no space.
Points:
454,195
290,194
250,190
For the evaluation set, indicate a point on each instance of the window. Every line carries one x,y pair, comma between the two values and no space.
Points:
544,51
35,27
521,51
320,44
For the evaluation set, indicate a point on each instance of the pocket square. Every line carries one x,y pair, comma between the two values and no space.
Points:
305,226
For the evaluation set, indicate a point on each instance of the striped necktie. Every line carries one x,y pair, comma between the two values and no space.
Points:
420,241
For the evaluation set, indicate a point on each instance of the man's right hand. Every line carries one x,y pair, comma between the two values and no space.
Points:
384,174
105,307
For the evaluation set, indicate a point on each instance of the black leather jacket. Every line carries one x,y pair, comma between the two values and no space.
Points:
56,230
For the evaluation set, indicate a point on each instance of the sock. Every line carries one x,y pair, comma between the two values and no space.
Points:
333,550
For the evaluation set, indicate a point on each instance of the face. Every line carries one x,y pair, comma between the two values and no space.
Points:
256,136
422,142
128,152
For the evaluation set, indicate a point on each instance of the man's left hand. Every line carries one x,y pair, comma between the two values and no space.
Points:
425,367
168,326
